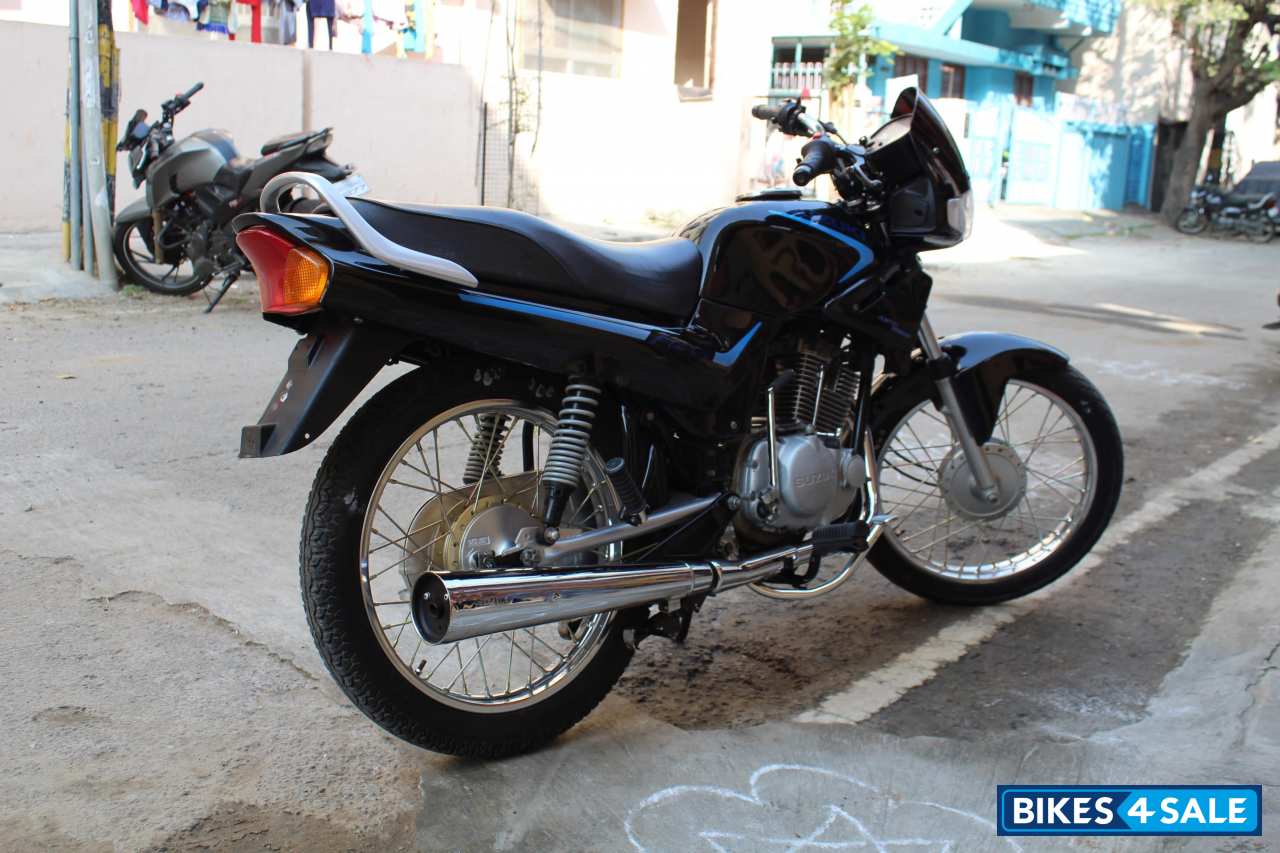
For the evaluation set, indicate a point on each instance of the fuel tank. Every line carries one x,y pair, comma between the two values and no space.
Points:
777,256
190,163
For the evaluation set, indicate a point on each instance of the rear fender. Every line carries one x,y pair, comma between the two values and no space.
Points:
327,370
985,362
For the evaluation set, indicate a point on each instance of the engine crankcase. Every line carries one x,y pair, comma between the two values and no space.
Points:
816,483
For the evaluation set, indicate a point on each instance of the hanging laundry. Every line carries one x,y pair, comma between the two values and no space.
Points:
140,10
218,17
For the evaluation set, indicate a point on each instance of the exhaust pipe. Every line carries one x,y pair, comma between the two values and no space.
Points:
456,606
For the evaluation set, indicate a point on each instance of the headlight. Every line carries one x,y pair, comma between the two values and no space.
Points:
960,214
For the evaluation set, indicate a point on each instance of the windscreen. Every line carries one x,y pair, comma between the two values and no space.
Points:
933,139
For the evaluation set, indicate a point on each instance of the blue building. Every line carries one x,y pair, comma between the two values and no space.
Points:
995,67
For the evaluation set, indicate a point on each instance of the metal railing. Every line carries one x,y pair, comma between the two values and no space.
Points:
796,76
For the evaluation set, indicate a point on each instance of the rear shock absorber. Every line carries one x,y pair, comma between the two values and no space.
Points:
485,457
569,447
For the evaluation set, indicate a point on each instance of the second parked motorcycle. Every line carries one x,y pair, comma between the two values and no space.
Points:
1250,215
178,238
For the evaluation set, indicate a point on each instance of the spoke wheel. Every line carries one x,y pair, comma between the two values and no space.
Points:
422,505
1056,457
176,277
414,483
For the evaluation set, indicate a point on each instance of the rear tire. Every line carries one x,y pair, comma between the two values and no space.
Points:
333,597
1261,231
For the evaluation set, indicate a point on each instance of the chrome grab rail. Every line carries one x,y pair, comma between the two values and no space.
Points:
362,232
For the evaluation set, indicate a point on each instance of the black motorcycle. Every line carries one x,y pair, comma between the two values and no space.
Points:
178,238
598,436
1254,216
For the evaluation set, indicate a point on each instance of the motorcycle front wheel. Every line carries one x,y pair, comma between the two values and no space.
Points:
1057,457
171,277
394,498
1192,221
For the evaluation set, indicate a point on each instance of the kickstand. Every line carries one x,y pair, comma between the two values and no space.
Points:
232,275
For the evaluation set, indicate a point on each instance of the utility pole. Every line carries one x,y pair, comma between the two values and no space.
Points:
95,163
71,246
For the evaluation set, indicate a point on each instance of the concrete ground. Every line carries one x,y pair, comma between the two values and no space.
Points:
164,693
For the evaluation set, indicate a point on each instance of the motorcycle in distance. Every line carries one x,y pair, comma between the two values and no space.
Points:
600,435
178,237
1250,215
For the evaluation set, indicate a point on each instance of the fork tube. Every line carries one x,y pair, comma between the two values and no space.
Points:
973,454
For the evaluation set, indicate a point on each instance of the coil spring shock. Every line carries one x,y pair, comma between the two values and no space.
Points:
569,446
485,456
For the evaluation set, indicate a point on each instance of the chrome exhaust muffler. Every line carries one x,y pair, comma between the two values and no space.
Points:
456,606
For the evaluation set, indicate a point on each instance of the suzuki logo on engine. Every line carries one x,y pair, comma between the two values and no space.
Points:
812,479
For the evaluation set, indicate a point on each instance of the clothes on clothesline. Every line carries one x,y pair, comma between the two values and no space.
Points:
287,13
219,16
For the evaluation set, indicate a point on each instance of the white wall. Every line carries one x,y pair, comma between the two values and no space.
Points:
411,127
33,128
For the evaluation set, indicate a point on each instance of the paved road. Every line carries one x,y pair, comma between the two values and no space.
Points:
164,692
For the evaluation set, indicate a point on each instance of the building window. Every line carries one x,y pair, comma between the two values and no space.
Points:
905,64
695,44
952,81
572,36
1024,87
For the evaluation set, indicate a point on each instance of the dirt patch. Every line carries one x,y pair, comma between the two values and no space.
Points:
242,828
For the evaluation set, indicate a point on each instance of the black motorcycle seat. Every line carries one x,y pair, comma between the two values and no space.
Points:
277,143
1245,200
507,247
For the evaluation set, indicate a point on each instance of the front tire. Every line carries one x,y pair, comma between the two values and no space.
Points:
140,266
1192,221
334,582
956,558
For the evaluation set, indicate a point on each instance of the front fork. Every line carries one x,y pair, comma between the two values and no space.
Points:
942,368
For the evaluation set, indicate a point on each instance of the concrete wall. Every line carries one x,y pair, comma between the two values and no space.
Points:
410,127
33,130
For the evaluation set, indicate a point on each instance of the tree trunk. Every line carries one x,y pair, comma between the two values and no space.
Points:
1205,112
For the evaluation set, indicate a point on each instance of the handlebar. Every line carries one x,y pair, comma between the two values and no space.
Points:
190,93
765,112
820,155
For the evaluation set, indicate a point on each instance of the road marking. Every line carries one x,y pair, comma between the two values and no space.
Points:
879,689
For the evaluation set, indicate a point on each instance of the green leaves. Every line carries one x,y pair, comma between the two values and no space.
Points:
855,43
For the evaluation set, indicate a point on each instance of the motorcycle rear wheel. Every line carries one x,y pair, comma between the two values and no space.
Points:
1260,230
494,696
141,267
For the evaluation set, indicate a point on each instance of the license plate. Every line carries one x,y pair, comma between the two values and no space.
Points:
351,186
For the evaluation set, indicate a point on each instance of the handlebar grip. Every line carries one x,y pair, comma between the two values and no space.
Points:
190,92
766,112
817,159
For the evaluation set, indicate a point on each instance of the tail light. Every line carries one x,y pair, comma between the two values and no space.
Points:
291,279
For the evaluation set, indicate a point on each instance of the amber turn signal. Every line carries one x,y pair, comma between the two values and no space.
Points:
291,279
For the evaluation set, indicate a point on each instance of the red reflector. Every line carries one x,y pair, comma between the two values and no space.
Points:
291,279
